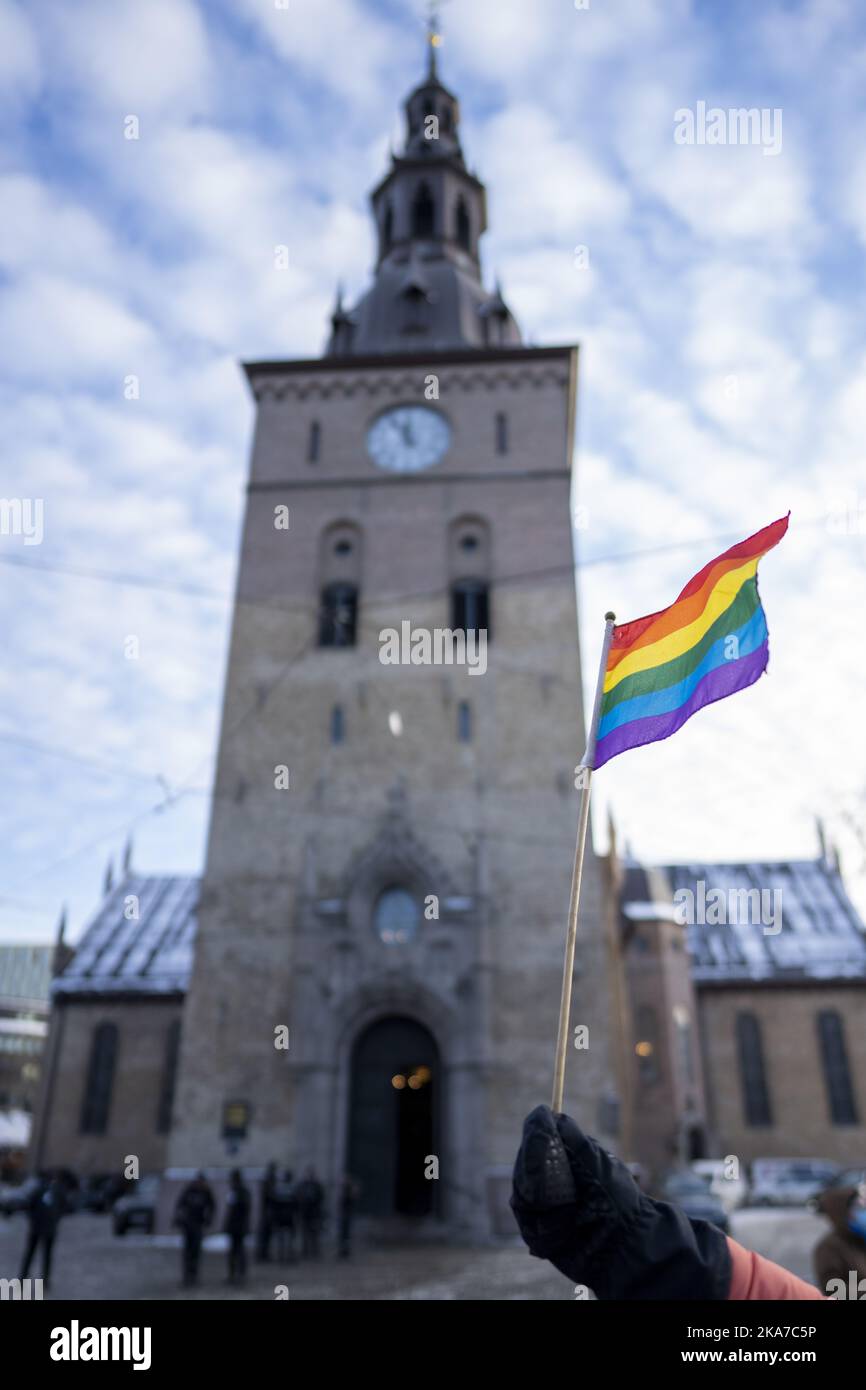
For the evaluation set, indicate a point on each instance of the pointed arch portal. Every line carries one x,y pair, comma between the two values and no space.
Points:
394,1109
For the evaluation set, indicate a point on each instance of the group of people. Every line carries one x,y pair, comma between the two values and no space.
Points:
576,1205
291,1213
289,1210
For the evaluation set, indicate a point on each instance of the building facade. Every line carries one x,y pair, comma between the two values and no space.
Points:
25,982
110,1062
381,924
747,997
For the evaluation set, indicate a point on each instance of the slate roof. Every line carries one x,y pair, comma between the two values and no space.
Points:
820,935
148,954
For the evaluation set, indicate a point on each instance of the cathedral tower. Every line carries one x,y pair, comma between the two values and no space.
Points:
390,850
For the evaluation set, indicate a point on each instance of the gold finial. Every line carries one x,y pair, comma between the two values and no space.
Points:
434,33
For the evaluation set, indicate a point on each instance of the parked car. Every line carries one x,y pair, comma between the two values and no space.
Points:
789,1182
98,1194
850,1177
137,1208
731,1192
692,1195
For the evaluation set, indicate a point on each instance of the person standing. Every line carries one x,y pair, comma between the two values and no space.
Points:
348,1196
193,1214
839,1258
311,1198
267,1213
237,1224
286,1212
45,1207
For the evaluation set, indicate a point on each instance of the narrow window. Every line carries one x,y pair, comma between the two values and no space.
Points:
837,1074
683,1027
463,227
388,229
501,432
338,724
100,1079
169,1076
338,615
753,1075
470,606
315,442
423,213
464,722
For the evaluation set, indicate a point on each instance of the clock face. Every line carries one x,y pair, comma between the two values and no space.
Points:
408,438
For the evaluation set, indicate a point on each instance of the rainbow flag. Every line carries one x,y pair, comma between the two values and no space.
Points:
710,643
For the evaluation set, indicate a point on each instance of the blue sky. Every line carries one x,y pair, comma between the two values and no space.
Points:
722,380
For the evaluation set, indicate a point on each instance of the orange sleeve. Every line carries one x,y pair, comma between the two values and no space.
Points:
753,1277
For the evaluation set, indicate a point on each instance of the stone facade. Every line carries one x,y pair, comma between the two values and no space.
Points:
716,1005
667,1120
344,782
486,826
802,1124
144,1029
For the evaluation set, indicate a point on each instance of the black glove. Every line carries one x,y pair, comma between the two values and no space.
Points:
579,1207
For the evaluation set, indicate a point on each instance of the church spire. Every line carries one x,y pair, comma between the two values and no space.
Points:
430,213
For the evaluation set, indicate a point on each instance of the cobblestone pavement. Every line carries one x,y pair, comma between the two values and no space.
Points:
787,1236
91,1263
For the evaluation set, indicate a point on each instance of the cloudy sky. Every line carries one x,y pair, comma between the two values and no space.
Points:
717,293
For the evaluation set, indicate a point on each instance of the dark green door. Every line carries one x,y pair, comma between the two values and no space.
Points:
393,1125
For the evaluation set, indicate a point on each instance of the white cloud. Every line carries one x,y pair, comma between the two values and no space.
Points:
561,193
53,325
20,62
721,192
131,58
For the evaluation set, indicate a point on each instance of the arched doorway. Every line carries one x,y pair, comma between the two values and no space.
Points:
394,1106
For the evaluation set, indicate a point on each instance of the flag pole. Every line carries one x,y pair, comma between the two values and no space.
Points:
586,766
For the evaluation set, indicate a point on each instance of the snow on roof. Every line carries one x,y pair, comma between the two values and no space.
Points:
782,921
140,941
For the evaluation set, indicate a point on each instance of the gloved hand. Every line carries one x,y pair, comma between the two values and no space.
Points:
579,1207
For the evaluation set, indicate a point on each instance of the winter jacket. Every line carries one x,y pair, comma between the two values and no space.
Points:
237,1219
840,1252
195,1208
579,1207
46,1205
